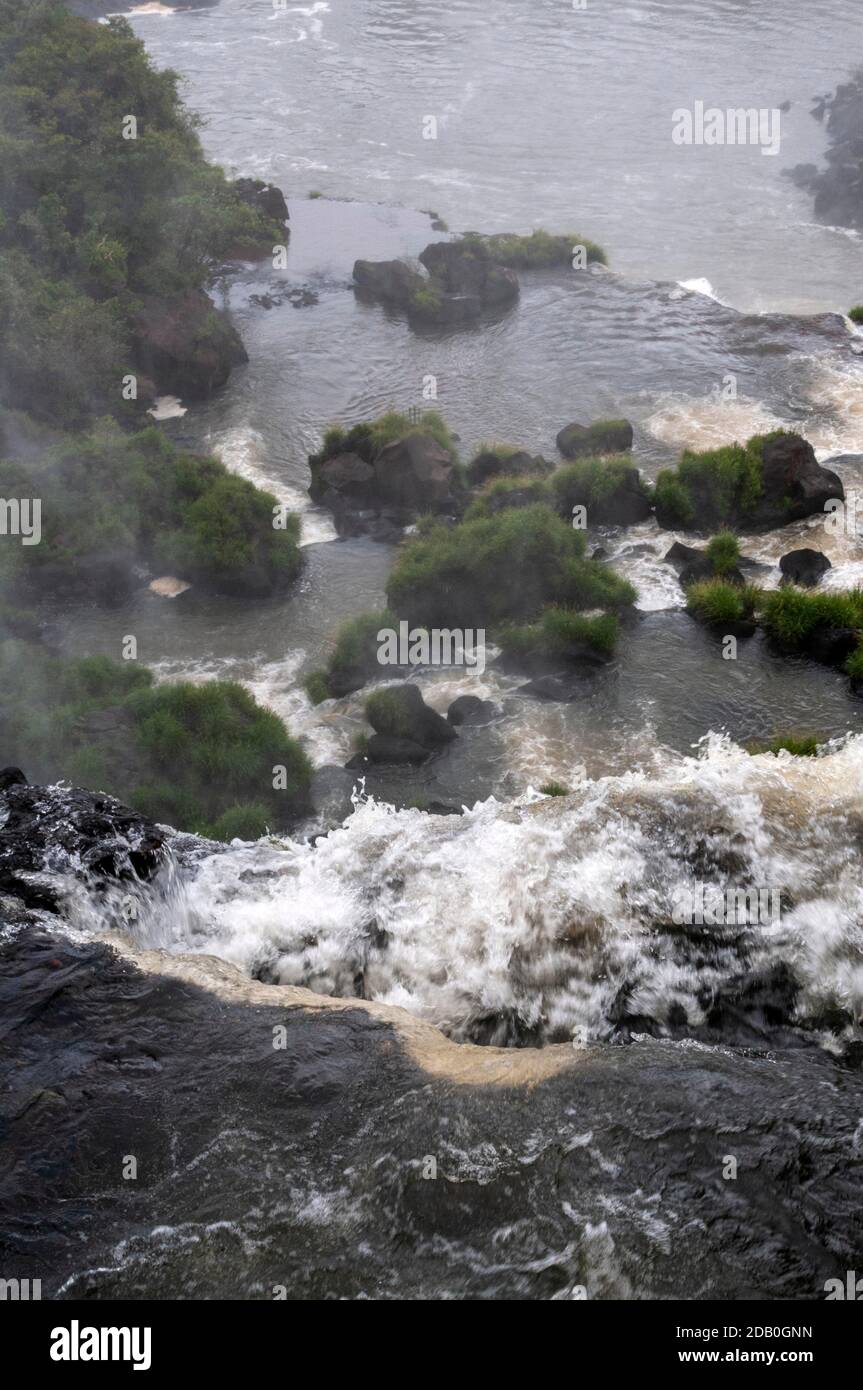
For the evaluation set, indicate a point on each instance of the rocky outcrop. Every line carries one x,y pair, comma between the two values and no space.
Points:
622,500
795,485
502,462
406,729
393,282
463,282
404,479
804,567
470,709
265,198
602,437
838,188
186,345
468,268
693,565
50,833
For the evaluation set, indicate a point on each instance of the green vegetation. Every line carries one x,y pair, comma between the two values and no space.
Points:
715,487
426,301
723,552
554,789
315,193
593,481
854,664
801,745
490,569
388,713
792,615
199,757
108,496
508,491
537,251
370,436
856,314
717,601
558,633
93,224
353,660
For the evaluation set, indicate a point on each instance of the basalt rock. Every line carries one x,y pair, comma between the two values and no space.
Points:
186,345
795,485
470,709
400,712
603,437
393,282
804,567
264,197
468,268
49,831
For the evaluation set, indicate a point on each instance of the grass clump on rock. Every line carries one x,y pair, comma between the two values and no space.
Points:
800,745
856,314
559,633
792,616
370,436
711,487
508,491
353,660
538,250
492,569
554,789
198,757
715,601
723,552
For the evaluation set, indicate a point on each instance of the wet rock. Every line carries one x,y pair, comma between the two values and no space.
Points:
347,477
67,830
186,345
795,484
416,474
400,712
831,645
625,503
390,748
470,709
804,567
467,268
265,197
330,792
394,282
603,437
563,687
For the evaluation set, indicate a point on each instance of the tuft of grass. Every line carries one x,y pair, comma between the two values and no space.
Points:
539,250
370,436
317,687
723,552
558,631
591,481
714,487
508,491
854,664
856,314
554,789
791,615
315,193
716,601
800,745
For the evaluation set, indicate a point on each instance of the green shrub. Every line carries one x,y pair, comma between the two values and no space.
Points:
508,491
856,314
592,481
185,754
369,436
723,552
385,710
557,632
672,500
248,821
138,498
492,568
791,615
716,601
538,250
716,487
317,687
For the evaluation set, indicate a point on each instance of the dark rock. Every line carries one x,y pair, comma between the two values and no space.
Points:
494,463
804,567
436,310
831,645
627,504
563,687
795,484
467,268
470,709
604,437
416,474
330,792
405,715
347,476
682,555
389,748
186,344
264,196
68,831
394,282
11,777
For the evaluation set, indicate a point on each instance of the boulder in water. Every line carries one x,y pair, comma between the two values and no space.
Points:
602,437
470,709
804,567
186,345
400,712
